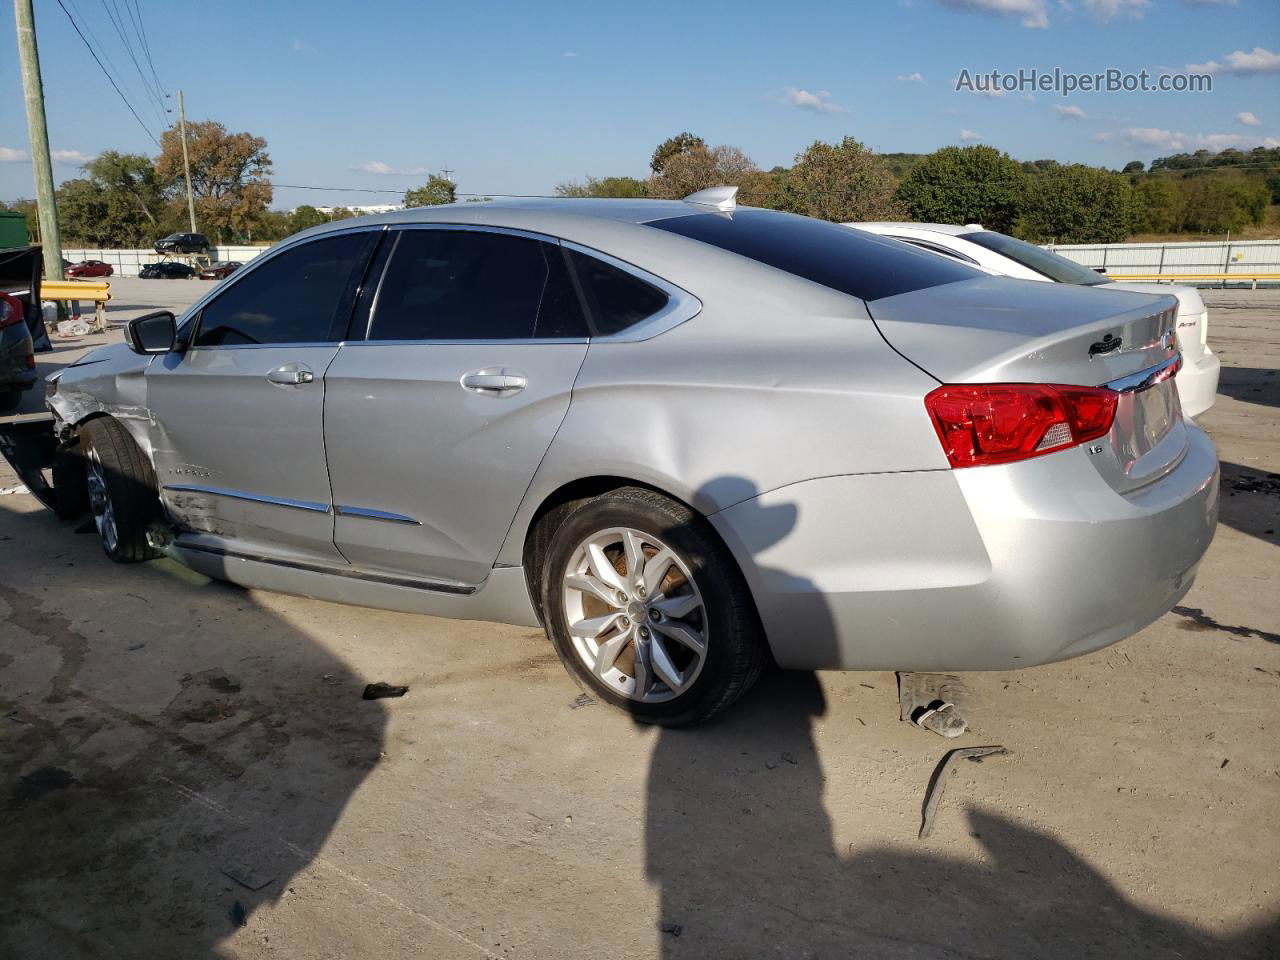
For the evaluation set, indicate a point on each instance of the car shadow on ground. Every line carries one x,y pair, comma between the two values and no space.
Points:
172,754
741,847
1250,501
1250,385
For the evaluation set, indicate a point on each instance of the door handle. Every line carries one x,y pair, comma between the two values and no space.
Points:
291,374
494,381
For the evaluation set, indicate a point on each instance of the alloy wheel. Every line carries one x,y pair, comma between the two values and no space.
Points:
104,516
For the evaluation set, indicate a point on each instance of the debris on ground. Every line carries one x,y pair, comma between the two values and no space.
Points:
238,915
938,782
377,691
930,701
582,700
251,878
672,928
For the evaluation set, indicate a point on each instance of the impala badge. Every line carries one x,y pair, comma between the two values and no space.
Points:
1108,344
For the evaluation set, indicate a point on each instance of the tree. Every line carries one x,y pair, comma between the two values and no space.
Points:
1077,204
436,191
842,182
131,180
701,167
229,174
305,217
671,147
976,184
1157,205
603,187
119,203
342,213
1133,166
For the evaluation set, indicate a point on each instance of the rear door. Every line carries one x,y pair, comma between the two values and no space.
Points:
237,417
436,422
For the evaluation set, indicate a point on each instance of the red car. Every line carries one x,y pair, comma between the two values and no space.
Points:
90,268
220,270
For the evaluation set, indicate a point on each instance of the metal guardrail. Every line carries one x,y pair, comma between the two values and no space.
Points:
1223,278
70,291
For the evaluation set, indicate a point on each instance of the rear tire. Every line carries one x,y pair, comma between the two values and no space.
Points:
647,608
121,490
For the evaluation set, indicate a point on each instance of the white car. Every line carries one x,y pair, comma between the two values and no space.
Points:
1007,256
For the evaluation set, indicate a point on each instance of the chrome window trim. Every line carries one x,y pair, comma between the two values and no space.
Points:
1146,378
345,511
307,505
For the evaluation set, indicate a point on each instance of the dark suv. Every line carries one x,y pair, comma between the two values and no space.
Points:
183,243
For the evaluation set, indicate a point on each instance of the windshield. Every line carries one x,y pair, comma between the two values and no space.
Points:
1035,258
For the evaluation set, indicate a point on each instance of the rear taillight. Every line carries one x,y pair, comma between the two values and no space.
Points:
11,313
30,361
986,424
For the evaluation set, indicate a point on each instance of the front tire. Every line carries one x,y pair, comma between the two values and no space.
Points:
121,489
647,608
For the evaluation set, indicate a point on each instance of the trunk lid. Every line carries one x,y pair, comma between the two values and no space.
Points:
999,330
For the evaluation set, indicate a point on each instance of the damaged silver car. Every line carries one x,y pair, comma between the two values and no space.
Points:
687,439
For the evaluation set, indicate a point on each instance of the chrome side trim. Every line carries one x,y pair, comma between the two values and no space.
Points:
242,495
435,586
1148,377
681,304
344,511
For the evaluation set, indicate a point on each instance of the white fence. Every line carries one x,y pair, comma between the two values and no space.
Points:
127,263
1223,256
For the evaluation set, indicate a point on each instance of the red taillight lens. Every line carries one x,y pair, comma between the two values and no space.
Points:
986,424
30,361
11,313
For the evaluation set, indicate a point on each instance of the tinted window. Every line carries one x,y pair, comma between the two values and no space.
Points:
298,296
936,248
616,299
850,261
459,285
1034,258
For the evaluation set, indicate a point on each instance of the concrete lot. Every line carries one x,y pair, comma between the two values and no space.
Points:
157,729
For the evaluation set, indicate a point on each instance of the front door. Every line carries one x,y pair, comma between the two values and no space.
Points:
237,417
436,423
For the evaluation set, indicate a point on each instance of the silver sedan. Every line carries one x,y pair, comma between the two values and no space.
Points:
687,439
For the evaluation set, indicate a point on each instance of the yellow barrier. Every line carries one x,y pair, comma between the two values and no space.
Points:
99,291
1199,277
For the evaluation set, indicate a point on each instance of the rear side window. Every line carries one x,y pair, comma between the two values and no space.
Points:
300,296
850,261
617,300
463,285
936,248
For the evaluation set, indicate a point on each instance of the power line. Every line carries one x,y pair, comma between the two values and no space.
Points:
117,21
125,99
146,44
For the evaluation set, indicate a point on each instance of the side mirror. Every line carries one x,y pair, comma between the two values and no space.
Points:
153,333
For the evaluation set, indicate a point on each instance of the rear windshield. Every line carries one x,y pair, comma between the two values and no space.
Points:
1038,259
850,261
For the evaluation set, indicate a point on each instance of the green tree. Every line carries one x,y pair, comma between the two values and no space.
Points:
701,167
1077,204
1133,166
1157,205
436,191
343,213
305,217
229,177
1222,204
603,187
671,147
976,184
842,182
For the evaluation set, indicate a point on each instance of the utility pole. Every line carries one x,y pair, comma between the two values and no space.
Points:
186,162
38,134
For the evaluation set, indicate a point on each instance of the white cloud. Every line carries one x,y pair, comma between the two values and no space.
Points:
1110,9
819,102
1248,119
568,53
1029,96
916,77
1176,141
1101,137
967,134
1030,12
380,169
1071,113
10,155
298,45
1258,60
70,156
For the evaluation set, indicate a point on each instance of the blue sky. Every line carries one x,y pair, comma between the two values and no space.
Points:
515,98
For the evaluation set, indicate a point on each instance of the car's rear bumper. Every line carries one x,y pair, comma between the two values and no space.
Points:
1198,383
977,569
